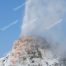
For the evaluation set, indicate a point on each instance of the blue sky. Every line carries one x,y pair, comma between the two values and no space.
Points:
7,17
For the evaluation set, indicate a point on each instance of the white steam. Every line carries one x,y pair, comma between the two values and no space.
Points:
42,14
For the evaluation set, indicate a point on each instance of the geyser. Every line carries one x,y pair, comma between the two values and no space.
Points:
32,49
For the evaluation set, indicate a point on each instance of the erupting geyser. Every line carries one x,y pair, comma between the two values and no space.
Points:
32,49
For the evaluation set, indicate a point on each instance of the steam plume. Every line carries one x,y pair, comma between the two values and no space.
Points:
40,15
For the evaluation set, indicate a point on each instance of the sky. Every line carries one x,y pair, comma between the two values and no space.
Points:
10,23
11,18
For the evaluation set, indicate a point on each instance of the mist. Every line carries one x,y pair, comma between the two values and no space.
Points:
42,15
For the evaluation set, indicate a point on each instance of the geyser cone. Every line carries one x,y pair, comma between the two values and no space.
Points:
30,51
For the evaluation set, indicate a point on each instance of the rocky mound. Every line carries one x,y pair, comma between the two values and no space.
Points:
30,51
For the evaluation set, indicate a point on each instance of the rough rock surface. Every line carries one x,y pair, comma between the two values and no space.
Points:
30,51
